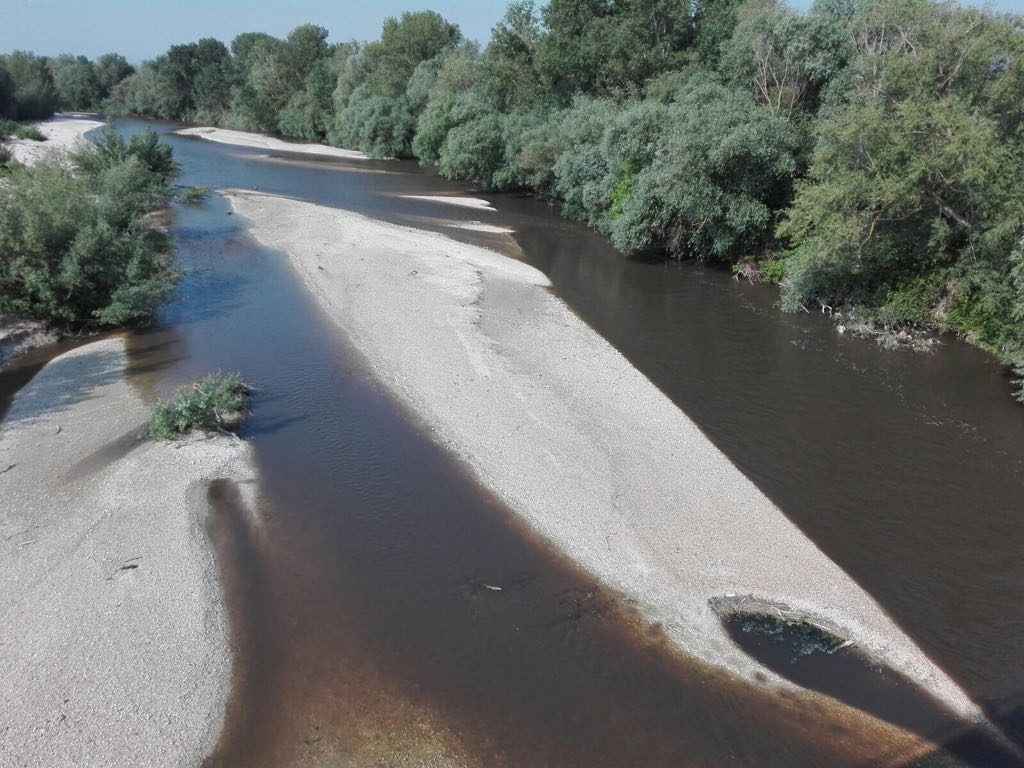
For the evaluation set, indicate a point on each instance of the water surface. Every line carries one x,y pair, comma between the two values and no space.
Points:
364,623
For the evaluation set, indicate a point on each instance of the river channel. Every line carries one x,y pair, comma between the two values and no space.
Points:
364,622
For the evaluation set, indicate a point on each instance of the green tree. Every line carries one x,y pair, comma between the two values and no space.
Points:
919,171
111,69
8,102
785,59
722,171
34,93
75,79
73,247
598,46
403,44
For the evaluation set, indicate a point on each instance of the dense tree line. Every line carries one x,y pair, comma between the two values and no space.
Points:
34,87
866,155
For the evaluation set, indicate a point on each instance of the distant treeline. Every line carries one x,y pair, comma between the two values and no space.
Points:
867,155
34,87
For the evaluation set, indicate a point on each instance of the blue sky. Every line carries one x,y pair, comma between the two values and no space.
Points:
141,29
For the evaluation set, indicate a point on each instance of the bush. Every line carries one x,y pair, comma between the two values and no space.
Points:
74,248
29,132
913,302
9,128
192,195
217,401
111,149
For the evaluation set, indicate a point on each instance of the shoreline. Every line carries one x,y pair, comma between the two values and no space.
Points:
261,141
579,444
116,638
63,133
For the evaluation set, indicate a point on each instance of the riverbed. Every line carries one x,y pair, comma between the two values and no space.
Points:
364,621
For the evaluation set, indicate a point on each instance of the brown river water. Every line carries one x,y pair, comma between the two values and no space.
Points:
364,628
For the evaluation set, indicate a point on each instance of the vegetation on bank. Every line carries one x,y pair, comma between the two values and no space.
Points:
216,402
34,87
9,129
866,154
75,247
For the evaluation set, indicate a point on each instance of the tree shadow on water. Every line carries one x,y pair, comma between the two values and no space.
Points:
809,656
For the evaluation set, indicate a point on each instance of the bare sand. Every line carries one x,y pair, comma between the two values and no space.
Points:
457,200
113,635
259,141
578,442
63,133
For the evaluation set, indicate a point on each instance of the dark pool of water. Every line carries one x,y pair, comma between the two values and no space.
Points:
361,614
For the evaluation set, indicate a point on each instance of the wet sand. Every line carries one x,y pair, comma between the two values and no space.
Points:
114,640
562,428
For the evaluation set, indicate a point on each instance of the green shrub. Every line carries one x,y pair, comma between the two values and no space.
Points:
29,132
74,248
111,149
982,309
913,302
192,195
15,130
772,270
217,401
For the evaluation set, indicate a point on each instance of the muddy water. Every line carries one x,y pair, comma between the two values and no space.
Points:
365,623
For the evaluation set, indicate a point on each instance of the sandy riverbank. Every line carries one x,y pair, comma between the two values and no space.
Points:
113,639
576,440
63,133
259,141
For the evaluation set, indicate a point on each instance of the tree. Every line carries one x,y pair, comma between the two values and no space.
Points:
34,93
8,103
722,170
919,171
598,46
403,44
510,66
785,59
75,79
111,69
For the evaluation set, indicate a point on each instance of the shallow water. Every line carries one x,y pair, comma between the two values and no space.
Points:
363,623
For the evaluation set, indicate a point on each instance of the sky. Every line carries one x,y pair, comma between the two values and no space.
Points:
142,29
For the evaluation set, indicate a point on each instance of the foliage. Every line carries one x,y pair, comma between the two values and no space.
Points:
381,126
76,81
213,402
8,102
403,44
73,244
111,69
865,153
35,96
597,47
20,131
785,59
110,150
192,195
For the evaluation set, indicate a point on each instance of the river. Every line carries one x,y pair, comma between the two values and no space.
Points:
363,623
